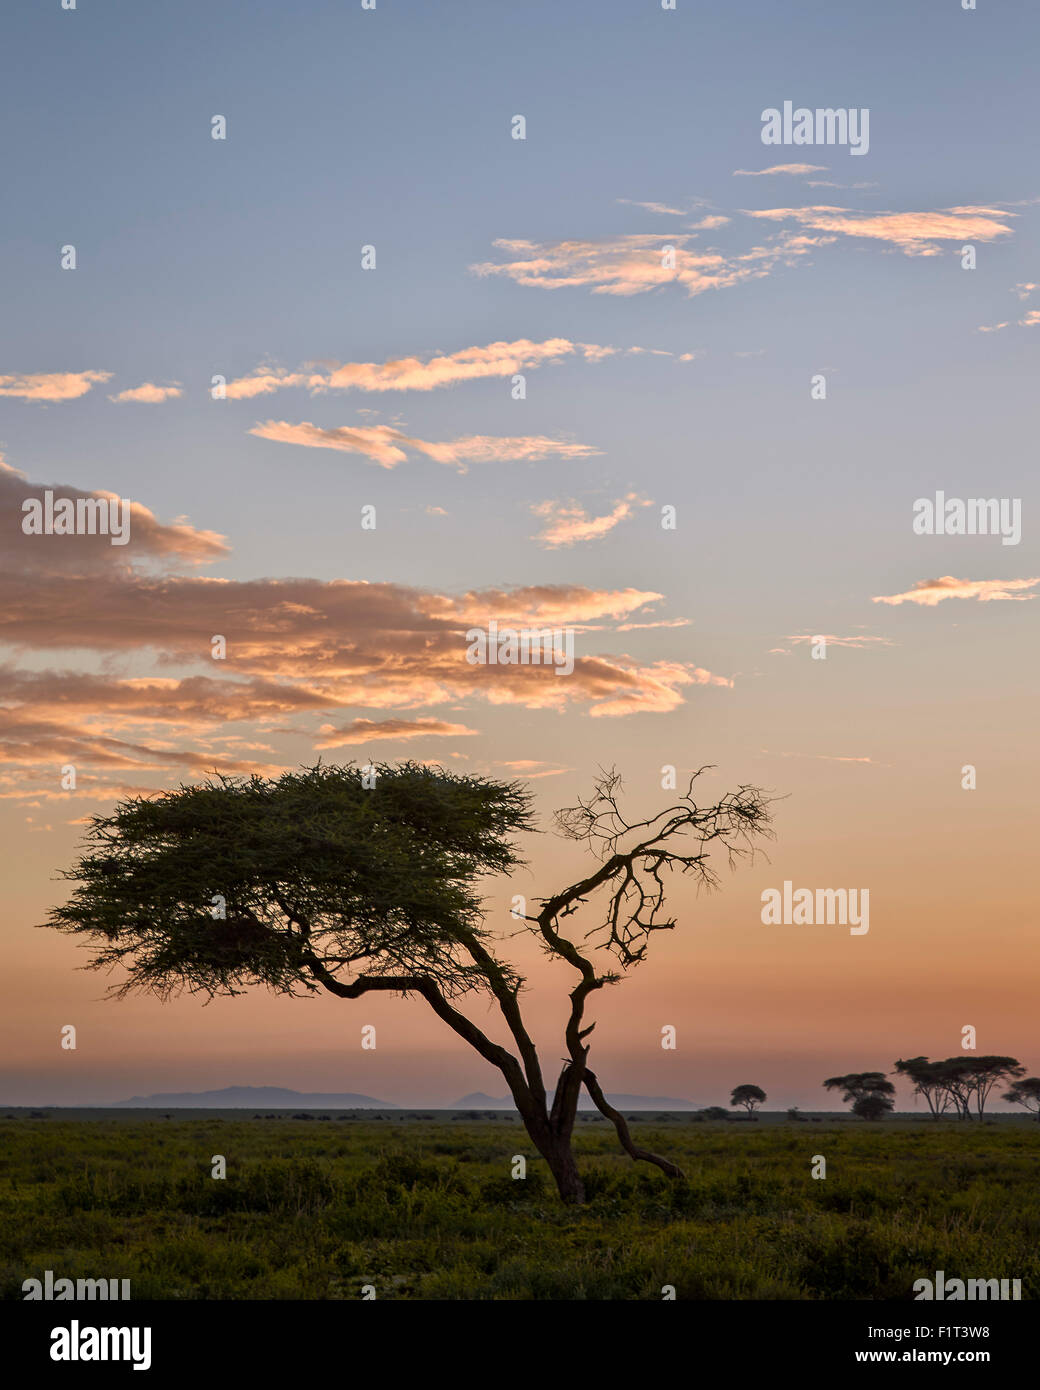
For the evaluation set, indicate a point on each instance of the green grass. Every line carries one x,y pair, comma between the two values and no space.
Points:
427,1209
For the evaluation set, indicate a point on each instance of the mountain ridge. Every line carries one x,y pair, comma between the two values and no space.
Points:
231,1097
478,1100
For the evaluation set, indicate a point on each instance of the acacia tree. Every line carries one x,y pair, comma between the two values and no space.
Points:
869,1092
929,1081
748,1097
959,1080
325,880
987,1072
1026,1092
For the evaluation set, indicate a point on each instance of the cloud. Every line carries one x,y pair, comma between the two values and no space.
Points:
264,381
825,757
710,223
531,769
567,523
662,208
388,730
831,183
51,386
149,538
929,592
73,617
294,645
499,359
912,232
27,739
1032,318
781,169
636,263
389,447
148,394
831,640
663,622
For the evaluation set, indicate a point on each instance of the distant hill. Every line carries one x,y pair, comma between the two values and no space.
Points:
479,1101
253,1097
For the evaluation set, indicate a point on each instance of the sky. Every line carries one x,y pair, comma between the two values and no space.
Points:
787,345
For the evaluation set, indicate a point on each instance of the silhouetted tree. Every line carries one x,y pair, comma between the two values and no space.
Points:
315,881
859,1087
1027,1093
929,1081
748,1097
959,1081
873,1107
986,1072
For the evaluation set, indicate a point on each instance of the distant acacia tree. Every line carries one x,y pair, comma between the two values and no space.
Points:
872,1107
748,1097
1027,1093
869,1092
319,880
987,1072
929,1082
957,1082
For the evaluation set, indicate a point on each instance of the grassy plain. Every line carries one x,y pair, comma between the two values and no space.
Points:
424,1207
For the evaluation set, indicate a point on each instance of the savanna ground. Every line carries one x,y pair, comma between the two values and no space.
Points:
424,1207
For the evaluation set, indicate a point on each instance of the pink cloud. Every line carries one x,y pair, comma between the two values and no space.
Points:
389,447
499,359
636,263
911,232
387,730
51,386
781,169
929,592
148,394
567,523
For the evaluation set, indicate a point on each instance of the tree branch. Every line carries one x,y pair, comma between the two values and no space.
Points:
621,1125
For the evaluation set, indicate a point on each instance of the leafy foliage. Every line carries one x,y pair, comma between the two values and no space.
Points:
312,868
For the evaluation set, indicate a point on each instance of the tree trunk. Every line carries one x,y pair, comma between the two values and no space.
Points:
555,1147
561,1161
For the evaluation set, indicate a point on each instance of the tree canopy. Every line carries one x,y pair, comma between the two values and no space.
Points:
748,1097
958,1081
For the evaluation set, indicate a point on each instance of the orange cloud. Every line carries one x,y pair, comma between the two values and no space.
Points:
365,730
636,263
854,641
660,208
296,649
148,394
51,386
929,592
912,232
388,447
567,523
149,538
413,373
